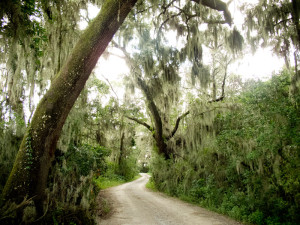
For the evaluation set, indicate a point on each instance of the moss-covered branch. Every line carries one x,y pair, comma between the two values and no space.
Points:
140,122
217,5
177,125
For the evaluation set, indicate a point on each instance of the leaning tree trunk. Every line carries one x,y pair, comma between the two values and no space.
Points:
30,171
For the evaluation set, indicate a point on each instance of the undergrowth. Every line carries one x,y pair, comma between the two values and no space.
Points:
246,163
107,182
103,182
151,185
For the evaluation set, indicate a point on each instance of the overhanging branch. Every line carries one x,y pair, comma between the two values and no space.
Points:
184,115
165,21
140,122
217,5
177,125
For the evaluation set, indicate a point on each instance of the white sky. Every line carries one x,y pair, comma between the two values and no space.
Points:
261,65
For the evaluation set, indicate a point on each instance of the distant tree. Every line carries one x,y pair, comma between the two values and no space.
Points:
155,69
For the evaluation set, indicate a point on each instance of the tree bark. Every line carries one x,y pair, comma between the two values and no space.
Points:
296,78
295,15
121,155
217,5
177,125
141,122
31,167
158,135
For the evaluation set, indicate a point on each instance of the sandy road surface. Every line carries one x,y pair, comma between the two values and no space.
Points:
133,204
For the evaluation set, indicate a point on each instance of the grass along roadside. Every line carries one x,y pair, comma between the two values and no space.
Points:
151,185
107,182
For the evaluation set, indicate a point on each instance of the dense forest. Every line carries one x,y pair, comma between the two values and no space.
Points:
203,132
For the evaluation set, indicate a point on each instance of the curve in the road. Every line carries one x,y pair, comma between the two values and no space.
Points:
133,204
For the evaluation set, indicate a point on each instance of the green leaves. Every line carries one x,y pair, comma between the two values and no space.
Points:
254,137
247,166
86,158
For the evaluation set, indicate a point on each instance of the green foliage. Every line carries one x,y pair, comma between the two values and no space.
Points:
68,217
107,182
86,158
120,172
151,185
243,163
128,167
10,139
18,16
111,177
247,166
72,190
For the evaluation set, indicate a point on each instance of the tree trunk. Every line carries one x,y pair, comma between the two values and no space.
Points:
295,15
31,167
163,148
158,135
121,155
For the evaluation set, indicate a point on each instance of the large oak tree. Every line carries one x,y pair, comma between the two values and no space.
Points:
31,167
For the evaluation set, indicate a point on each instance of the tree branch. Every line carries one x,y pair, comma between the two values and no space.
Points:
144,10
217,99
189,16
127,57
177,125
184,115
221,98
282,21
165,21
223,84
165,8
217,5
158,134
140,122
111,87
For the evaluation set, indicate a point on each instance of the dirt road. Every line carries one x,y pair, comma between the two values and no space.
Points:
133,204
